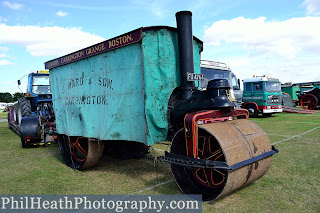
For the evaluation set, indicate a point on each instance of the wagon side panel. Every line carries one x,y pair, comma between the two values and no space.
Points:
101,96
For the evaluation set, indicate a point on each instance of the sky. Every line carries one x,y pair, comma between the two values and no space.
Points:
276,38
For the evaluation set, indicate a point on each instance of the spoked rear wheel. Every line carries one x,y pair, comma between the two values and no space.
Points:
208,182
309,101
80,152
208,149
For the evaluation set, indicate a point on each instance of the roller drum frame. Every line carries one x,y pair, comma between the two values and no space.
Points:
229,154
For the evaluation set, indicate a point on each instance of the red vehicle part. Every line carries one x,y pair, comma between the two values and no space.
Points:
309,101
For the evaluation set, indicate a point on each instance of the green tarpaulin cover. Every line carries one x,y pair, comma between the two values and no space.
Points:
120,94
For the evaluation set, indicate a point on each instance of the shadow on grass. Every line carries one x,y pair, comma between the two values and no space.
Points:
138,172
139,169
142,170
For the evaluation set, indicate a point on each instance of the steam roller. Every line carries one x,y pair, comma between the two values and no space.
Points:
143,87
217,151
239,151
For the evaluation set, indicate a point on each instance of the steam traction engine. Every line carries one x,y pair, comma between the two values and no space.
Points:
310,99
152,94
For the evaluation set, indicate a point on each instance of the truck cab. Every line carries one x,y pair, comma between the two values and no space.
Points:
218,70
262,95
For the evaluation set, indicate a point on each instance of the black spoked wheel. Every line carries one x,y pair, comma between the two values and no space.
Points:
208,182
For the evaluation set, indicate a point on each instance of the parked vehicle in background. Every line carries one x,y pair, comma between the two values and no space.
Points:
296,90
310,99
4,106
218,70
32,116
262,94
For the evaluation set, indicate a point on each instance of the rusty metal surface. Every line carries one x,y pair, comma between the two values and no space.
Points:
95,149
241,140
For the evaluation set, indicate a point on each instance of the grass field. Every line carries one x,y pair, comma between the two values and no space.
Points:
291,185
3,115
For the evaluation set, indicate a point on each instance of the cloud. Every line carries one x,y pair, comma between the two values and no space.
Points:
4,49
3,55
61,13
268,38
13,6
312,7
47,41
296,71
5,62
289,50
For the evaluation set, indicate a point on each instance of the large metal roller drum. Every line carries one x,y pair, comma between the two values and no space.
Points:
80,152
232,142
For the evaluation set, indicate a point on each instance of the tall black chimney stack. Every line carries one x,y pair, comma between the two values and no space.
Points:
185,43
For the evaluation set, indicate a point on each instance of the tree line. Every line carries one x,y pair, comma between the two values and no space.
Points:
7,97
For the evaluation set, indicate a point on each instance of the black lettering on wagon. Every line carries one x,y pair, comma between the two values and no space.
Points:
75,82
105,82
86,100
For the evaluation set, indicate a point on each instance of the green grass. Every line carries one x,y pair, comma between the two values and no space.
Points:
291,184
42,171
